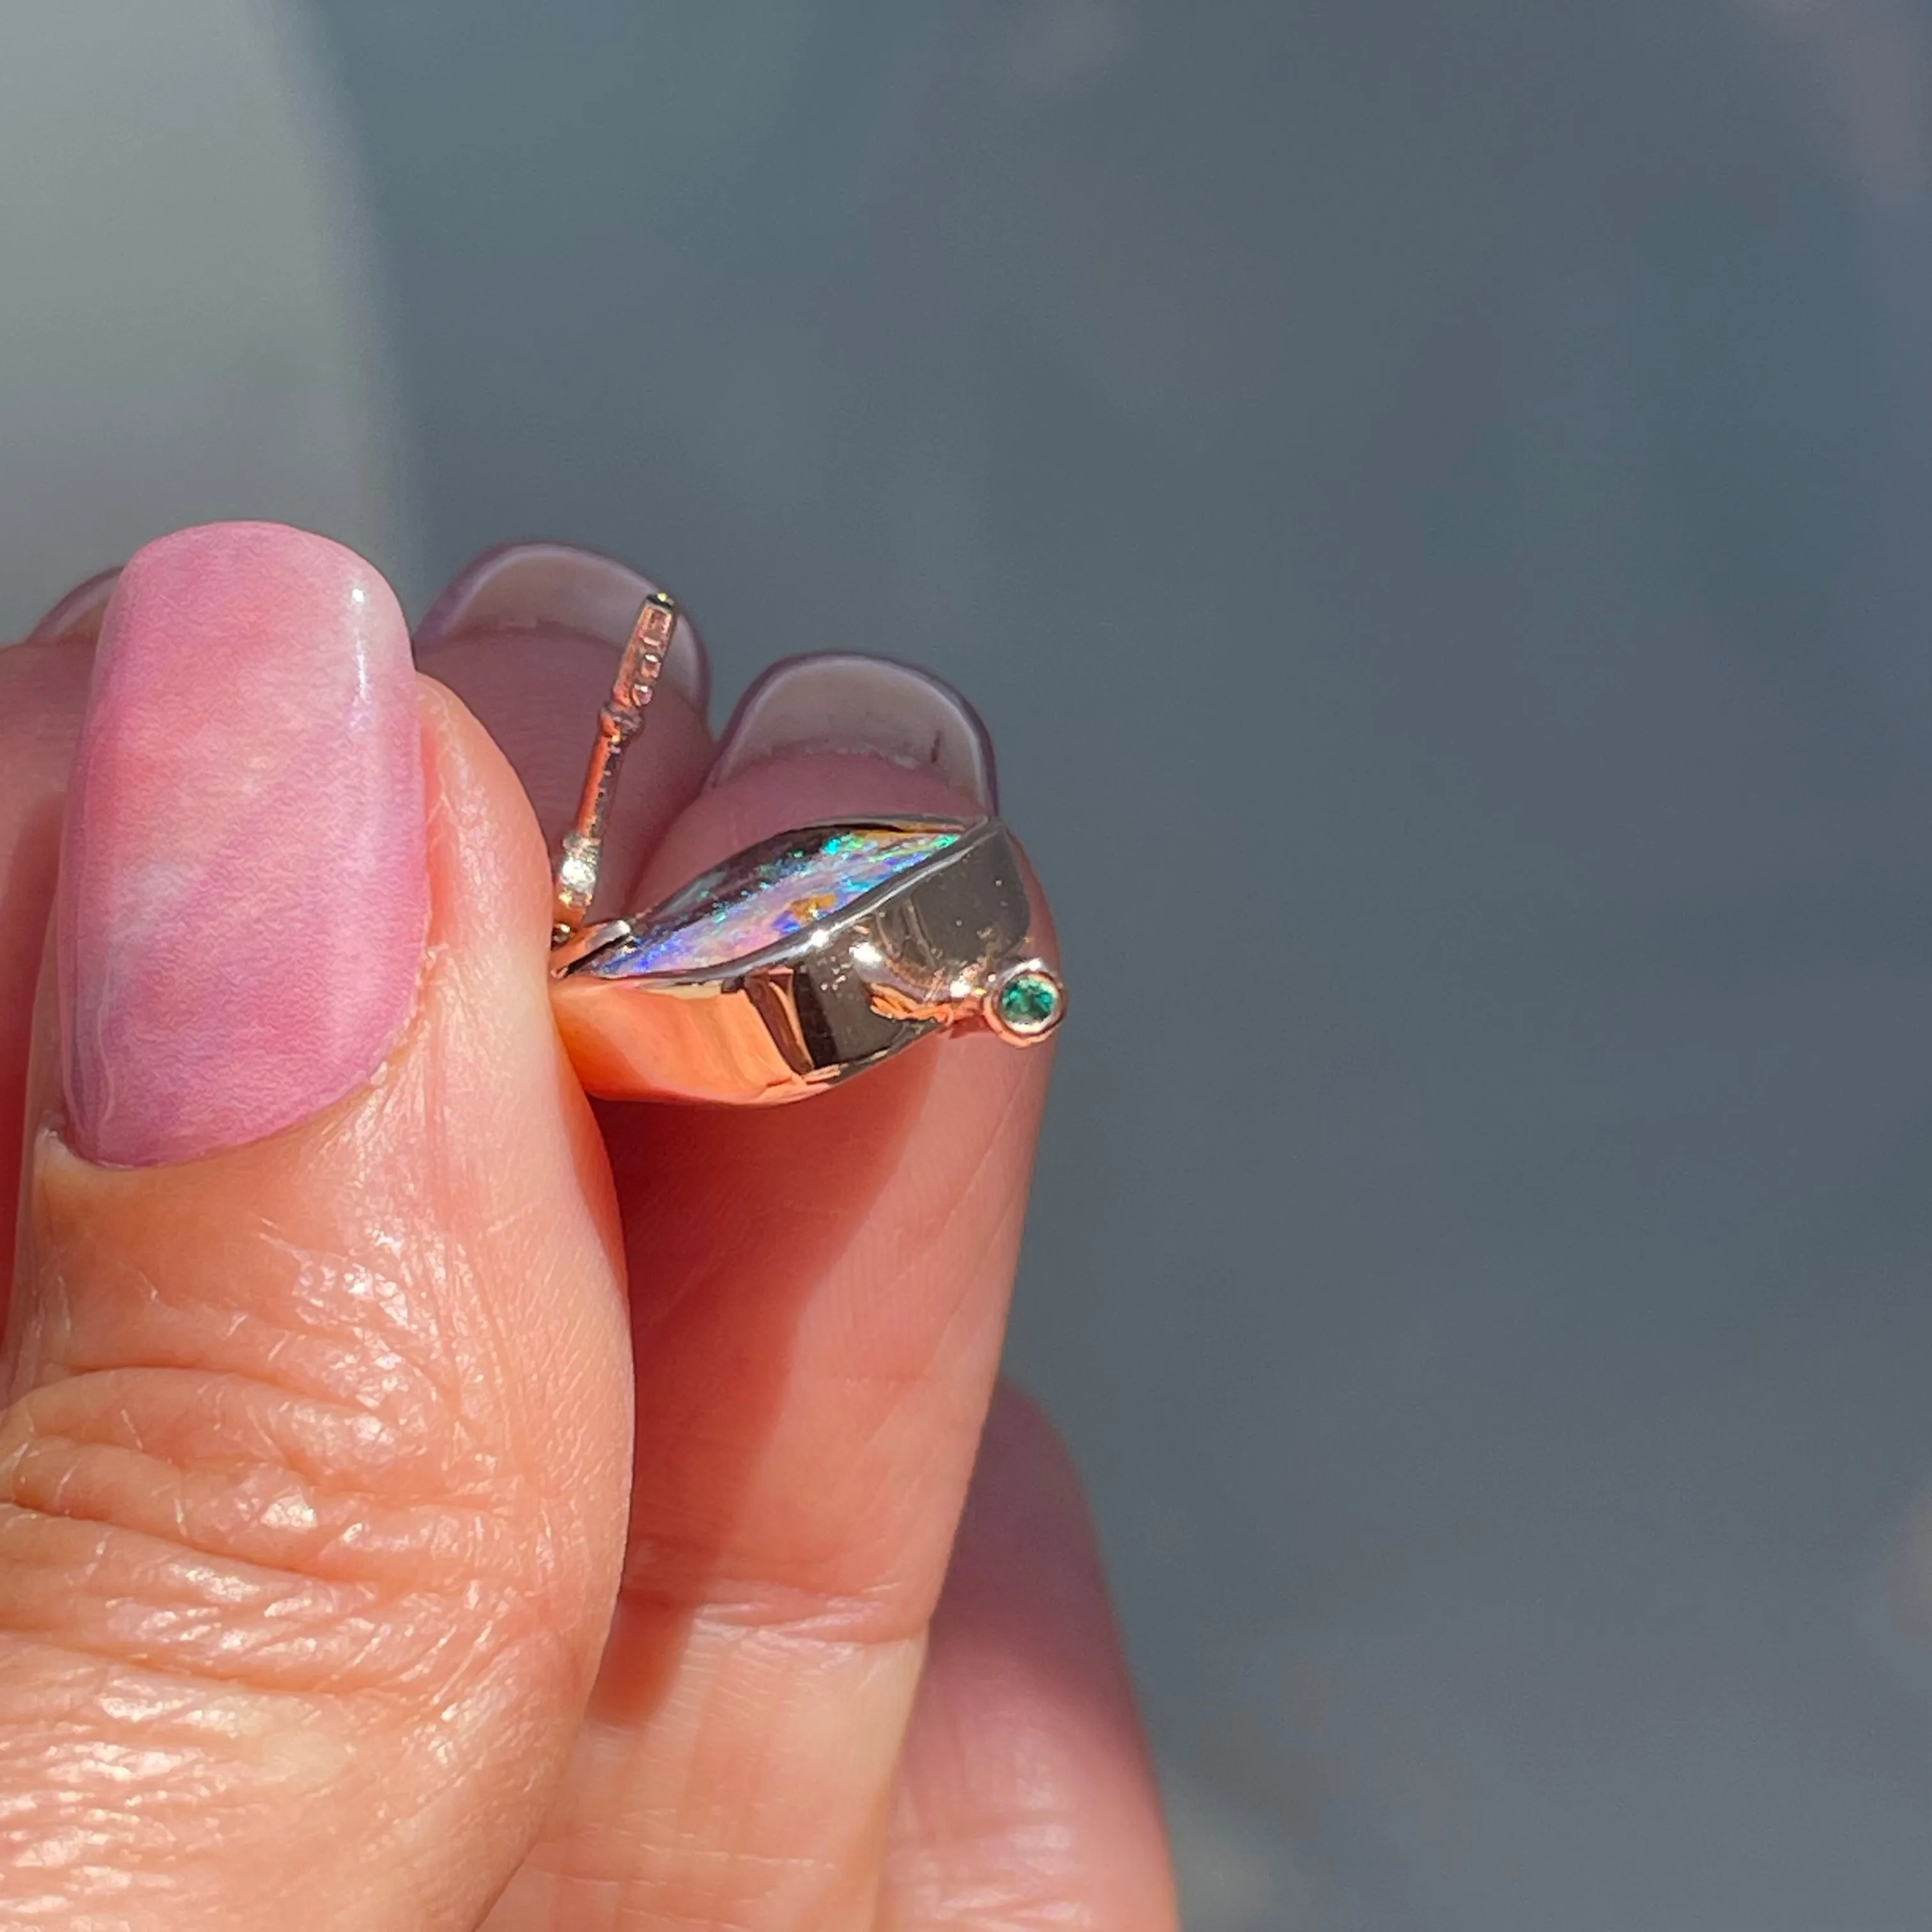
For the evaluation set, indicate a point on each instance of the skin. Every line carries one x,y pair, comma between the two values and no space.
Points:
470,1508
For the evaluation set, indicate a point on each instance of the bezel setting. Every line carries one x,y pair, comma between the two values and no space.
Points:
1025,1002
934,945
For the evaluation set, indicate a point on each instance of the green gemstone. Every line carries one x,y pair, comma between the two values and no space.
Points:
1029,1001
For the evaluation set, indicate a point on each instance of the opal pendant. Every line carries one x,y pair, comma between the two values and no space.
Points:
797,963
805,959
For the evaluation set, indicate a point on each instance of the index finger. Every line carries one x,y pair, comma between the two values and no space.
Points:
818,1297
42,690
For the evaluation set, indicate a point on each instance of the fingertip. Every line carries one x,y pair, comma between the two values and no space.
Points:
77,616
558,587
1026,1487
489,873
1026,1547
1026,1785
846,702
538,693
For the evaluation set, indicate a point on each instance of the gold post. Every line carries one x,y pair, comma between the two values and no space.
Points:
620,721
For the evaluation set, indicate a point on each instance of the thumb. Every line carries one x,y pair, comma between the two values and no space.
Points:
312,1470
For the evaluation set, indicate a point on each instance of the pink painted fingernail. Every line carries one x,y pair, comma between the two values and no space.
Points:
243,898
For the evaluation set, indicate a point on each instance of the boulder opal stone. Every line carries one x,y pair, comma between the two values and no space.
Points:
766,894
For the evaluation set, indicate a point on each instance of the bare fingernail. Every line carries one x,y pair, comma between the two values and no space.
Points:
243,895
78,614
522,585
844,703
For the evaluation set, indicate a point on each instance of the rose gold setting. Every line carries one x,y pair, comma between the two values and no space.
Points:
847,979
620,721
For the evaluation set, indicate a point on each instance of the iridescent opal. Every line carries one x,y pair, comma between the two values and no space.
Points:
769,893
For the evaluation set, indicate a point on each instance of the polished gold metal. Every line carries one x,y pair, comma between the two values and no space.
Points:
620,721
845,978
929,950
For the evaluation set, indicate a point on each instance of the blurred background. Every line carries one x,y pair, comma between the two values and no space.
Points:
1435,502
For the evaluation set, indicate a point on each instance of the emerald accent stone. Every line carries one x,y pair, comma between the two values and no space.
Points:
1029,1002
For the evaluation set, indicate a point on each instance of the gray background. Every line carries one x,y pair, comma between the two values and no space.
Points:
1434,500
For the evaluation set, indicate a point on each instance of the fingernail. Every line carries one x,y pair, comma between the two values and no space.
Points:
242,896
840,702
524,585
78,613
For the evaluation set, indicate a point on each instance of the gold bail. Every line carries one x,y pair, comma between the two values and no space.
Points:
619,720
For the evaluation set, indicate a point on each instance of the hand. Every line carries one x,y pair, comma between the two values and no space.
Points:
426,1501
